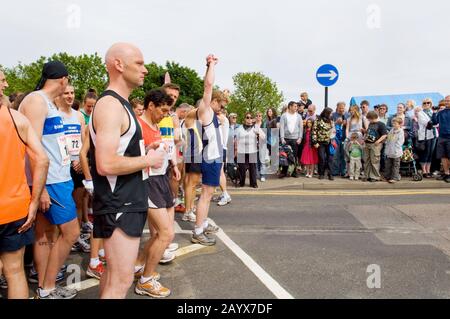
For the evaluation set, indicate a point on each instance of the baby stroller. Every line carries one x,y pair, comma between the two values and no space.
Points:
408,167
287,158
231,170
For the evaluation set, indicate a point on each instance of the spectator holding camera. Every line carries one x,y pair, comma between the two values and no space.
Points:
426,138
442,118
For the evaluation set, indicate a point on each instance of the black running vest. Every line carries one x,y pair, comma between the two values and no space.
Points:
119,194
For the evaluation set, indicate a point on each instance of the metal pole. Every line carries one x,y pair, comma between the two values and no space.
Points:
326,96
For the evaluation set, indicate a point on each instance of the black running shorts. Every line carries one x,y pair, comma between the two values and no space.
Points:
131,224
159,192
77,179
443,148
193,168
11,240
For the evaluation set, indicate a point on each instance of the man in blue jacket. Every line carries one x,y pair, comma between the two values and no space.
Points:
442,118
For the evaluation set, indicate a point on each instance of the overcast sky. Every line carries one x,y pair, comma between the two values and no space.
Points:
379,46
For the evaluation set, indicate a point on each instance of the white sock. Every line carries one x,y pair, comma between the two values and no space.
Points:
198,230
205,224
45,293
143,279
94,262
138,268
226,194
101,253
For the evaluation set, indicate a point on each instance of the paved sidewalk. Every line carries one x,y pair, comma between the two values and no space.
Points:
302,183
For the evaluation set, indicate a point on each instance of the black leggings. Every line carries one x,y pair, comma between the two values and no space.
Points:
247,161
325,159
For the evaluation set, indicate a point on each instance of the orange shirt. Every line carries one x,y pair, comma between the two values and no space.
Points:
14,192
150,135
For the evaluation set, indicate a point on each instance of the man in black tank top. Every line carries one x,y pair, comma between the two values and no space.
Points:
118,159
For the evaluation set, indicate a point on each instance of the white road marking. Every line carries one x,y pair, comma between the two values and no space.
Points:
188,249
259,272
178,230
86,284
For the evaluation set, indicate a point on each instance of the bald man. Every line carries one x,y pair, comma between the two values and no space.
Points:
119,168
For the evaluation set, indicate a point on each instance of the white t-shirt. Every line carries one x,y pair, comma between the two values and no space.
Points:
291,120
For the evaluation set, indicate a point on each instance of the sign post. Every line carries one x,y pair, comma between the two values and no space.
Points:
327,75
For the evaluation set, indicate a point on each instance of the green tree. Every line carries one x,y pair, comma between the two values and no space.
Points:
86,71
254,92
188,79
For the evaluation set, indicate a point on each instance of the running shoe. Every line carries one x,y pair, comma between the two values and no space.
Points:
225,200
87,228
167,257
202,239
152,288
189,217
95,272
180,208
58,293
3,282
173,247
138,274
33,275
211,229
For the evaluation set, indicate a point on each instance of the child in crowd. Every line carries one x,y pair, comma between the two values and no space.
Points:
354,152
374,138
394,150
309,154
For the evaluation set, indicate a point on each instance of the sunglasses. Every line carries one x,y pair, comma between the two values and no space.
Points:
249,118
426,103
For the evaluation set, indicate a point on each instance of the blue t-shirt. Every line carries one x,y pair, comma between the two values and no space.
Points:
443,119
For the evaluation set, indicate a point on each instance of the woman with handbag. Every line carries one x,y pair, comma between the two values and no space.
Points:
426,138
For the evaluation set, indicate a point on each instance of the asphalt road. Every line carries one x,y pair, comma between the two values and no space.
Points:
314,245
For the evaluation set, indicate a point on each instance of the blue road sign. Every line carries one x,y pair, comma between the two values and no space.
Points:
327,75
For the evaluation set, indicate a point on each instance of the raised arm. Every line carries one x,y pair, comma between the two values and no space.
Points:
108,119
204,110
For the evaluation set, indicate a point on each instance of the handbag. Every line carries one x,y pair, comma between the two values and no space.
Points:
421,145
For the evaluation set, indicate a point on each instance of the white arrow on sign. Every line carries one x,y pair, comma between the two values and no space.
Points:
332,75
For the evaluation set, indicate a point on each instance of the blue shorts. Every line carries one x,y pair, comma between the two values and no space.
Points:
62,209
211,173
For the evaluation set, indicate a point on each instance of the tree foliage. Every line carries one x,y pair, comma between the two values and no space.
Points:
188,79
254,92
86,72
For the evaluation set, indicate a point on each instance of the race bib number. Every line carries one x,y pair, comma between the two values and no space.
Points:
145,171
63,149
74,144
170,146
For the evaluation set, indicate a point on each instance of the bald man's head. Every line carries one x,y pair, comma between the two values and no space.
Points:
125,62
